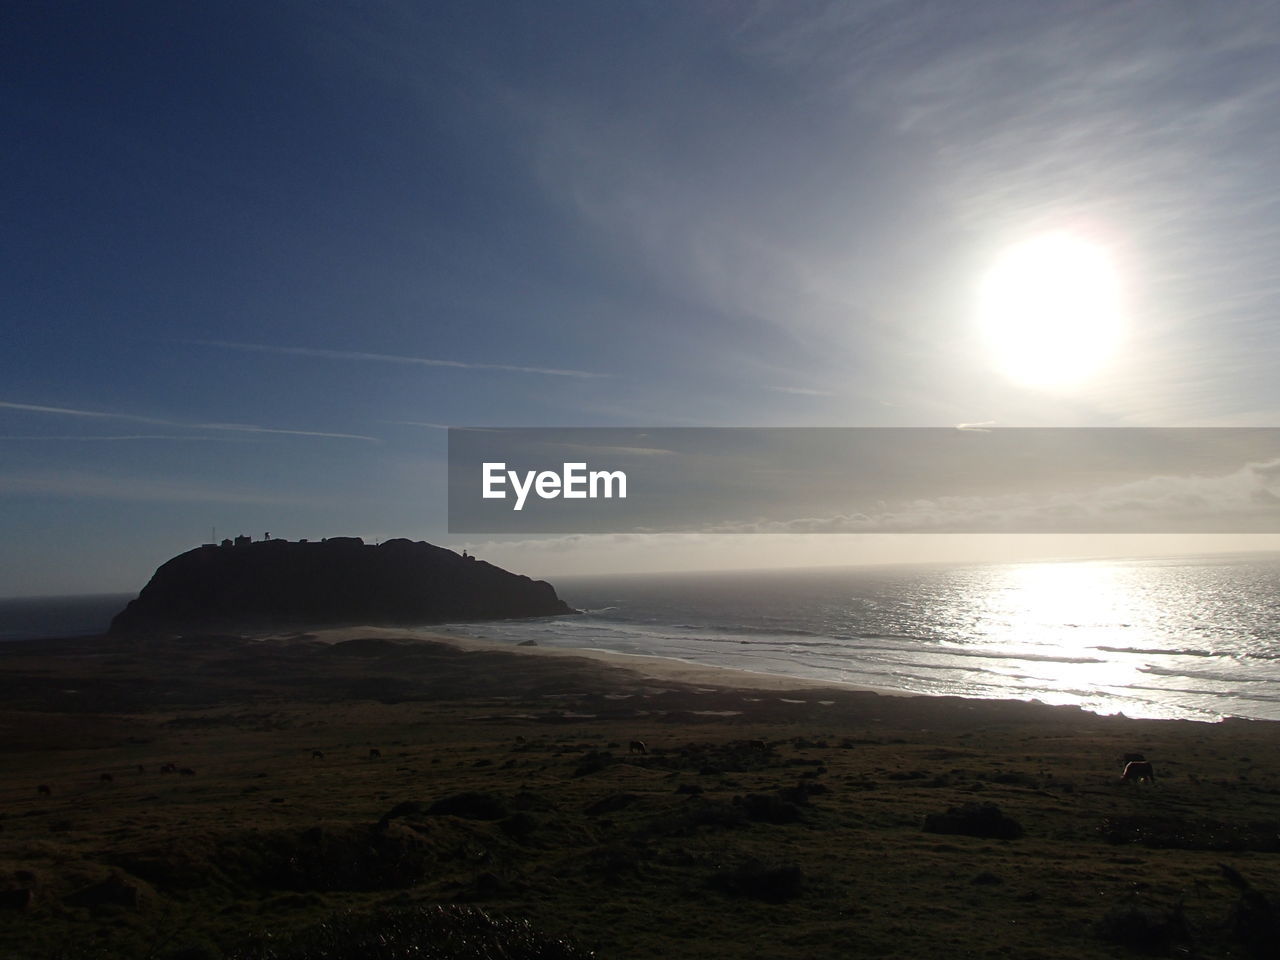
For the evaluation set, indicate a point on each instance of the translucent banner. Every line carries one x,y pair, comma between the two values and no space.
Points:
863,480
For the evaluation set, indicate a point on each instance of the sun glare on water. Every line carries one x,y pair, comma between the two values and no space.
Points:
1050,310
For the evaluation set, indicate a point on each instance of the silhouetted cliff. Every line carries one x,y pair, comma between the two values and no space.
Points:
278,583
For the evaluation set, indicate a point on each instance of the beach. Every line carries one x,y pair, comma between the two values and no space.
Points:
637,807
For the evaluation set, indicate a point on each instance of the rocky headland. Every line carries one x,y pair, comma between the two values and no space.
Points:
273,584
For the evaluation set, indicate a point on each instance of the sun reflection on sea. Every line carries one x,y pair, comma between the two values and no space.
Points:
1056,615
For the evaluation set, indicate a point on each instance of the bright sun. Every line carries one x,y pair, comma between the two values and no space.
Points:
1050,309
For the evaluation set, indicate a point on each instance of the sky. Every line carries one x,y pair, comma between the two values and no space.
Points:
258,256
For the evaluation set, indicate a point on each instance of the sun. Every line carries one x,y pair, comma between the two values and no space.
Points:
1050,310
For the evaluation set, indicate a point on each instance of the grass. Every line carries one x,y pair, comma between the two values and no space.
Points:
505,794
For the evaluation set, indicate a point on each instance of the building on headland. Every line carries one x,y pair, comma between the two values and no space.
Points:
243,541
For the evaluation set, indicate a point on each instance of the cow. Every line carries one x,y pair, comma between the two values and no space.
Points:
317,755
141,768
169,767
187,772
44,791
1138,770
375,753
757,745
638,746
106,778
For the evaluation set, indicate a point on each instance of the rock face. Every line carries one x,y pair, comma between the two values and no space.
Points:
278,583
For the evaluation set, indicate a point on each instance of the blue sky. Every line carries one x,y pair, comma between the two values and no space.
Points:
256,254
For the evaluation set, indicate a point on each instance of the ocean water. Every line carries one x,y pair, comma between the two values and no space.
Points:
1195,638
27,618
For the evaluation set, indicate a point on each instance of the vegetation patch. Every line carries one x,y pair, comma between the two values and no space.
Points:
1177,833
422,933
757,880
974,820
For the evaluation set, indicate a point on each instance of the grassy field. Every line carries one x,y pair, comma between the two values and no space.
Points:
759,823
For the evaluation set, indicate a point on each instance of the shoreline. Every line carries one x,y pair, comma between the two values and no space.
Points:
666,669
676,670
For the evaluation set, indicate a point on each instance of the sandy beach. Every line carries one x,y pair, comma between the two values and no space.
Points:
655,668
369,772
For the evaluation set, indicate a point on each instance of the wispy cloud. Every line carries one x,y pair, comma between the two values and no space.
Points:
1239,501
417,423
803,391
157,421
397,358
102,486
617,451
131,436
67,411
427,425
251,428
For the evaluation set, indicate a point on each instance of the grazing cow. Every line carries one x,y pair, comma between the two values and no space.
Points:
106,778
187,772
756,744
375,754
170,767
44,791
141,768
637,746
1138,770
317,755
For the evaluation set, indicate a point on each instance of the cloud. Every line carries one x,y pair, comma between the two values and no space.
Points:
132,436
396,358
157,421
250,428
1240,501
803,391
1152,131
428,425
147,489
38,408
617,451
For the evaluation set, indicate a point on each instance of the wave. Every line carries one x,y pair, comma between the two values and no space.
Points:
968,631
1166,651
1232,679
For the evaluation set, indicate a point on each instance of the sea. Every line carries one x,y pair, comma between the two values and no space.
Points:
1184,637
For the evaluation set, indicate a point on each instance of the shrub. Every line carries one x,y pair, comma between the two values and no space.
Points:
471,806
768,809
759,881
1147,929
974,820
